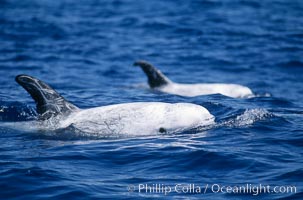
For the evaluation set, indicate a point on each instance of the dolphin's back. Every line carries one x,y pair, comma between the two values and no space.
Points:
143,118
158,81
192,90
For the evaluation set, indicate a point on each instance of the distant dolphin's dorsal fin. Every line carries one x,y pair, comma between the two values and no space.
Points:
49,103
155,76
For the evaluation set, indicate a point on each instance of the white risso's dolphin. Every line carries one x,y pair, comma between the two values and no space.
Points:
158,81
142,118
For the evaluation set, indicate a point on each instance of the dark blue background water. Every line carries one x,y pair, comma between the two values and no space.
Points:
85,49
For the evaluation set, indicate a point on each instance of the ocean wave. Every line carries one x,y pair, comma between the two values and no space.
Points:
249,117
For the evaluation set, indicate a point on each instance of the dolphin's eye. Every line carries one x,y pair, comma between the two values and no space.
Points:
162,130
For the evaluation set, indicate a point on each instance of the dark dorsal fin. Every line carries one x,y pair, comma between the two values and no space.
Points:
49,103
155,76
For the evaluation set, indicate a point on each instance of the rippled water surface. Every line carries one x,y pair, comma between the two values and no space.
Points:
85,50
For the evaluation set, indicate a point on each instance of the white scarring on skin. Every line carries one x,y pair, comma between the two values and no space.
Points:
142,118
158,81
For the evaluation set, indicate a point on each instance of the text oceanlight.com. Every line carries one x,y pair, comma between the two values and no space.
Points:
253,189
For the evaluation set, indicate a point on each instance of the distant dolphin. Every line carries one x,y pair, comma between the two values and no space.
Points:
160,82
142,118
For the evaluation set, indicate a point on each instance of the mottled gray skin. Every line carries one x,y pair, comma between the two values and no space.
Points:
119,119
49,103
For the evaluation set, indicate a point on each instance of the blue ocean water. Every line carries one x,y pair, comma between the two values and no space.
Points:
85,50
